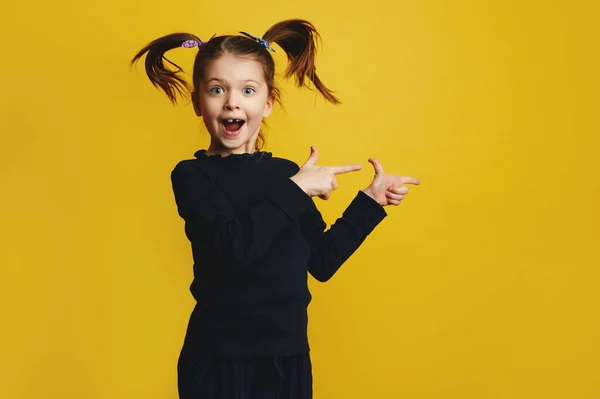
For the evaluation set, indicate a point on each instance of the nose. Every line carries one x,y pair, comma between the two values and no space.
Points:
232,102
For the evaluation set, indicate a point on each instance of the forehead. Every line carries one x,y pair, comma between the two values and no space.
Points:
235,68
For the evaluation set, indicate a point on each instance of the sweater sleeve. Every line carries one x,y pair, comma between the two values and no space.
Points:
331,248
237,240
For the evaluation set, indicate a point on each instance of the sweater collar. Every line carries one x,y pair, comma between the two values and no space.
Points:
201,154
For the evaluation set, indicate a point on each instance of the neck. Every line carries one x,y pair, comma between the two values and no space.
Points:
216,147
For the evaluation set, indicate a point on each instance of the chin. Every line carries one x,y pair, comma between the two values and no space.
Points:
241,137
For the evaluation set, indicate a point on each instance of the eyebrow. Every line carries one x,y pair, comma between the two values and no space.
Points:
223,80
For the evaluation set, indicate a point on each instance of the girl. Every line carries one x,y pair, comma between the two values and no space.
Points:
254,229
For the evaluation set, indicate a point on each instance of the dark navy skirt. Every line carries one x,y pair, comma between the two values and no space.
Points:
273,377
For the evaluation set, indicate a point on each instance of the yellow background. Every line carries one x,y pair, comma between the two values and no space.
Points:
484,283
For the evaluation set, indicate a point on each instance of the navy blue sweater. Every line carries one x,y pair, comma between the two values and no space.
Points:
255,236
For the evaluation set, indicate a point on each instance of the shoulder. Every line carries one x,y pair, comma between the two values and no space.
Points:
188,168
288,166
183,166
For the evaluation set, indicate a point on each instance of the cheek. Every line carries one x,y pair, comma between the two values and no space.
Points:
257,108
209,107
255,112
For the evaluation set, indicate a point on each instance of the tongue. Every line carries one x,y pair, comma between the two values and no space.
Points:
232,126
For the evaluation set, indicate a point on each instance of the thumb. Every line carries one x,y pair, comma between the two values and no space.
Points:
376,165
314,155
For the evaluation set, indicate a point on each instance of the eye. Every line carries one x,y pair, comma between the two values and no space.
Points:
249,91
217,90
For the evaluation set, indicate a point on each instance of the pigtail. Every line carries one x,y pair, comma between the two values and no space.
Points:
169,81
298,39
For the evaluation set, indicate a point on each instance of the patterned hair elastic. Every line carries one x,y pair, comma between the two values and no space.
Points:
260,40
195,43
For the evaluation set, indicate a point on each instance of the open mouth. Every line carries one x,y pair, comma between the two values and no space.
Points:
232,126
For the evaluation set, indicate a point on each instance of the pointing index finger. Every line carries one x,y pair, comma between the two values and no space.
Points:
338,170
409,180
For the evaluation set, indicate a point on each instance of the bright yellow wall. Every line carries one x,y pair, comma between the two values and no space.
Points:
482,284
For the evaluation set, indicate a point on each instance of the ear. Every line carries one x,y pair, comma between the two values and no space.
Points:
196,103
269,107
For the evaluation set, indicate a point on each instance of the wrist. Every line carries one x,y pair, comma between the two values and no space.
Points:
368,192
298,184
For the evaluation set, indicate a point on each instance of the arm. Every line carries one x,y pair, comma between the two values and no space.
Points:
237,240
330,249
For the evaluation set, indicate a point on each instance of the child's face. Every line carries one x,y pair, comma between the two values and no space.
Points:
233,97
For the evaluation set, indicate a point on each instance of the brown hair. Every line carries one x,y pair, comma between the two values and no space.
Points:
298,38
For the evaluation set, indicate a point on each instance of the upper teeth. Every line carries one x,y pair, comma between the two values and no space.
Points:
233,120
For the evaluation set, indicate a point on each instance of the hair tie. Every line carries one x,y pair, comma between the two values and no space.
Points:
195,43
260,40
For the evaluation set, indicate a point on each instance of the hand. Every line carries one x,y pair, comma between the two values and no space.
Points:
388,189
320,180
